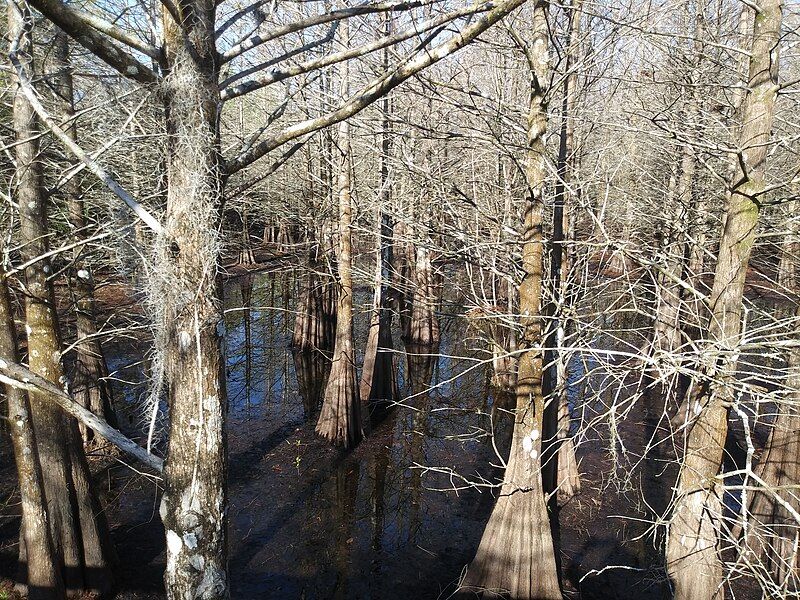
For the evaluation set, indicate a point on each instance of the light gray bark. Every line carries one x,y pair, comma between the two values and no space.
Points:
693,544
516,555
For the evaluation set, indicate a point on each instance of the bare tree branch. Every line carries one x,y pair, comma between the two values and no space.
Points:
64,138
378,87
19,377
277,75
87,31
336,15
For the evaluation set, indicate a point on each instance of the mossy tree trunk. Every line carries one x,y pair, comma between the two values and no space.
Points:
78,528
693,541
194,504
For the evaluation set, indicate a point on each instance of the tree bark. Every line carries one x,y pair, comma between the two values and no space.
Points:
423,327
771,533
378,377
772,527
680,312
666,328
78,528
194,504
692,546
340,417
516,553
39,569
567,479
315,324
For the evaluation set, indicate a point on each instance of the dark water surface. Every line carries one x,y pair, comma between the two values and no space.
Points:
396,518
308,520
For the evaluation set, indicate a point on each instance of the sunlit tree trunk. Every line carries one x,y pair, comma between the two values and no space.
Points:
403,263
771,532
679,308
673,311
423,326
340,417
790,251
693,543
772,526
78,527
516,554
188,288
698,207
502,331
315,323
39,569
666,328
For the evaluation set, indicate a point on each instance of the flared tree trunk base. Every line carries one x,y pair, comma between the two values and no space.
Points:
516,558
340,418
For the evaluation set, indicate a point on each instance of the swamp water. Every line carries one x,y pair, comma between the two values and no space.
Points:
306,519
310,521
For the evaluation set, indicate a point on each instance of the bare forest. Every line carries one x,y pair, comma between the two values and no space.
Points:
402,299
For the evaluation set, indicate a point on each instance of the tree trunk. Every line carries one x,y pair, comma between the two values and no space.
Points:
378,377
790,250
189,289
340,417
89,384
516,554
771,524
503,342
671,312
772,527
315,323
680,312
246,256
423,327
697,218
78,528
567,479
692,545
39,570
666,328
404,257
